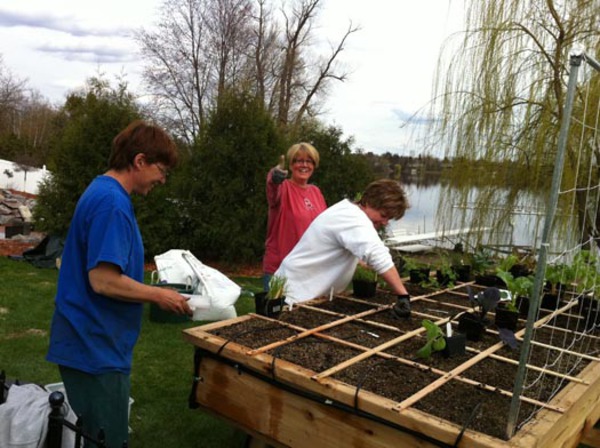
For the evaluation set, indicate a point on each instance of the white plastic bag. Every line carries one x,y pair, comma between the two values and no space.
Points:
213,294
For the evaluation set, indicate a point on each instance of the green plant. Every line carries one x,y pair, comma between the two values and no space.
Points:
410,264
486,301
445,275
517,287
559,274
482,261
277,287
507,262
459,258
364,273
584,271
435,339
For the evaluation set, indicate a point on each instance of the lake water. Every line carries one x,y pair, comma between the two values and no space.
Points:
525,226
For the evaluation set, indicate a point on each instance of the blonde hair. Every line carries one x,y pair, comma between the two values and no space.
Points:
305,148
386,196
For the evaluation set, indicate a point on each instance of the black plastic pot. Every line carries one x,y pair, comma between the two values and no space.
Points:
506,318
549,301
520,270
443,279
489,280
589,309
268,307
364,289
419,275
455,345
471,326
523,306
463,272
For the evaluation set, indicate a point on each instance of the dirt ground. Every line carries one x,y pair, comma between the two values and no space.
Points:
15,246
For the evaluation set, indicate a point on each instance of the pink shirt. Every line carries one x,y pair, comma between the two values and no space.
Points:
291,210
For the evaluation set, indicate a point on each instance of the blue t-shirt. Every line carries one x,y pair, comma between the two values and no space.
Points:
90,332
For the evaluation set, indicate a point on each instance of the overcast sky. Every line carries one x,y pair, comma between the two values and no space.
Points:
56,45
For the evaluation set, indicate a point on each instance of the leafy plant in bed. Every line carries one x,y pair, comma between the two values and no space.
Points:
445,274
418,273
558,278
364,282
453,344
461,265
473,323
518,293
587,285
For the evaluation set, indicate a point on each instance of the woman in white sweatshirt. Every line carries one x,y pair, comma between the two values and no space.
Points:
328,252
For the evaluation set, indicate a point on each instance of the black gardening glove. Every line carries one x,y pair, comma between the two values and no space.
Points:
402,307
278,176
279,172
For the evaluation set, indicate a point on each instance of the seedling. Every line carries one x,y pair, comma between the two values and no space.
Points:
486,301
277,287
365,274
482,261
435,340
557,274
517,287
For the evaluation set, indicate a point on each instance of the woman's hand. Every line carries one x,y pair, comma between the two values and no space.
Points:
279,171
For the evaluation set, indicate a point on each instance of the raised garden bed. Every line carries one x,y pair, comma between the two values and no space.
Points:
344,372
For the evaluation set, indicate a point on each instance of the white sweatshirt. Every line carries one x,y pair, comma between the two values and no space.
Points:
328,252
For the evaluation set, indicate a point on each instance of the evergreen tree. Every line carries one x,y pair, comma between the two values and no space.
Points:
226,179
91,119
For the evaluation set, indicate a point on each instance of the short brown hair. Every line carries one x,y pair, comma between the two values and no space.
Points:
386,196
142,138
307,148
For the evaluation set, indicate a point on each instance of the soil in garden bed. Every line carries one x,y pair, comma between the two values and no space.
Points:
549,358
449,297
484,411
362,334
502,375
307,319
254,333
415,289
314,353
408,350
382,297
571,322
405,325
434,308
386,377
344,306
581,343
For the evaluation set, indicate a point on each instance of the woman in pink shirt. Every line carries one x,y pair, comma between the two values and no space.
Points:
293,204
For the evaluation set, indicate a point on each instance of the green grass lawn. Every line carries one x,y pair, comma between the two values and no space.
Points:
162,368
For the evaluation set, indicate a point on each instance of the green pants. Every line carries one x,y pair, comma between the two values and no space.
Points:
102,402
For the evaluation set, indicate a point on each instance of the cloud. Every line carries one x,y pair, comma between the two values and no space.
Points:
90,53
413,118
65,24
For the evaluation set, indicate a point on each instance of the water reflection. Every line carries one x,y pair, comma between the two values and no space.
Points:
439,208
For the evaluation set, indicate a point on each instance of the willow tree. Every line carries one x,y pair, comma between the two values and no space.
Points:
499,94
